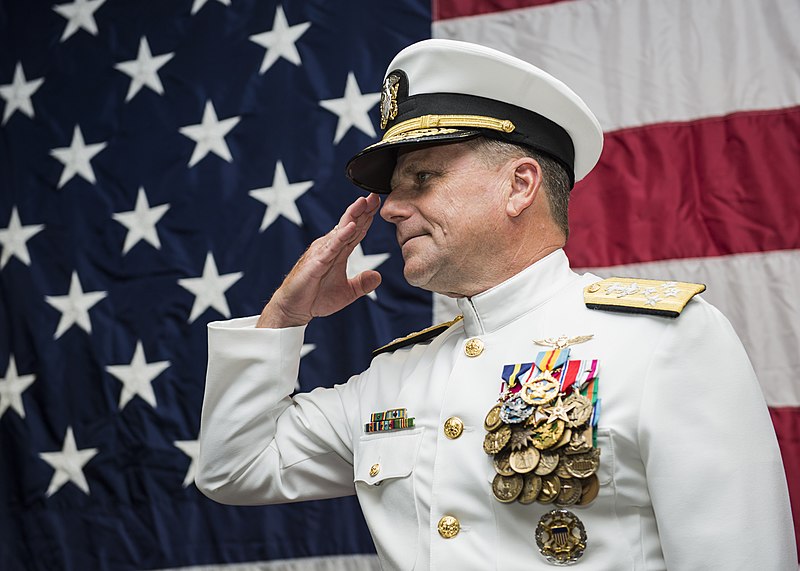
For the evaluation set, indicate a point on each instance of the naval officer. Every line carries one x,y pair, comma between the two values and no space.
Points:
482,443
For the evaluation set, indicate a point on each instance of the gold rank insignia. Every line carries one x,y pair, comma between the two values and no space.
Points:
418,337
650,297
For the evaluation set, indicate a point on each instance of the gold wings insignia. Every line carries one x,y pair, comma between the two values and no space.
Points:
563,341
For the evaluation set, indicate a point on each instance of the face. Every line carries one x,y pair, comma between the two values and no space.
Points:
447,206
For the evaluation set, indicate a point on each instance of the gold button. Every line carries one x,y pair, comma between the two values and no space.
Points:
474,347
593,288
453,427
374,470
449,527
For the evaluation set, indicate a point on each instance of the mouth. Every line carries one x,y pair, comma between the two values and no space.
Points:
405,240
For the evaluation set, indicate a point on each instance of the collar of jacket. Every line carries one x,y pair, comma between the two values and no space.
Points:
496,307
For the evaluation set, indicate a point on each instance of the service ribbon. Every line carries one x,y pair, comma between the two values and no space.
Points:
551,360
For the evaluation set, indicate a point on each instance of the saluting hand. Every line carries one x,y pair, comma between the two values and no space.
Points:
318,283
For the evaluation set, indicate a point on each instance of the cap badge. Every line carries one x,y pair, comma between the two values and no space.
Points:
389,99
561,537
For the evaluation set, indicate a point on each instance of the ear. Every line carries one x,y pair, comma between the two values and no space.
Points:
525,184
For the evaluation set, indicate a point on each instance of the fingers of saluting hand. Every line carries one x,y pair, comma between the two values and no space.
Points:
351,229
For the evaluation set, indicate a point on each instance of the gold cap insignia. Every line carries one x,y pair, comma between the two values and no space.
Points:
630,295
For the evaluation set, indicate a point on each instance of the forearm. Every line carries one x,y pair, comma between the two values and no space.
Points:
250,377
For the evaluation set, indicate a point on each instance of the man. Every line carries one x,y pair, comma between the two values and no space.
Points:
481,444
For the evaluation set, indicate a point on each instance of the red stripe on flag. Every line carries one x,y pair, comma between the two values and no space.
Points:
446,9
711,187
787,428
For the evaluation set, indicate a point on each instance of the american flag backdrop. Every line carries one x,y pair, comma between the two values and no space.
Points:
164,163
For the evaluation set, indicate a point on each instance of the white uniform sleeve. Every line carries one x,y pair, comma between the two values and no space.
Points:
257,444
713,466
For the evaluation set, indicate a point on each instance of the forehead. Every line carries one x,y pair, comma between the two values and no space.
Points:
439,156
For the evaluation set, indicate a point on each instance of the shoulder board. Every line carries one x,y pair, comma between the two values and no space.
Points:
418,337
649,297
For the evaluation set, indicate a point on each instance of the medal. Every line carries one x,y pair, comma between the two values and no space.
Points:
541,431
495,441
591,486
551,486
525,460
507,488
561,537
548,461
570,493
546,435
502,465
531,486
493,421
582,465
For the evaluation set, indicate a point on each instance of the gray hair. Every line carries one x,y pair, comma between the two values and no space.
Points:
555,178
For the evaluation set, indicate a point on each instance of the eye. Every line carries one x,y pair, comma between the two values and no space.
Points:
423,177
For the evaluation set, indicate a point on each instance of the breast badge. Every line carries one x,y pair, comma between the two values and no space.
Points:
561,537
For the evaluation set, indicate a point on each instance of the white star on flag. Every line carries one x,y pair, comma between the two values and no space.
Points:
280,40
74,306
192,449
352,109
14,239
79,14
68,464
209,289
141,222
143,70
76,158
200,3
209,135
12,387
281,198
359,262
18,93
304,350
137,377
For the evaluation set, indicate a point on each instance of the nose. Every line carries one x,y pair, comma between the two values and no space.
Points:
395,207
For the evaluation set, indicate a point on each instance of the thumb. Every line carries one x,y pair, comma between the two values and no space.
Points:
365,282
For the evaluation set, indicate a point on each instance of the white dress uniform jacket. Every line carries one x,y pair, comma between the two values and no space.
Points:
690,470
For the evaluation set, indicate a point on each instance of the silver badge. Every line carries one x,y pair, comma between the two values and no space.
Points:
389,99
561,537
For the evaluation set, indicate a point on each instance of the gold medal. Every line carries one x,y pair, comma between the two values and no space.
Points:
582,465
580,409
561,469
548,461
565,438
591,486
531,486
551,486
561,537
495,441
547,435
507,488
580,442
492,421
525,460
501,464
540,391
570,493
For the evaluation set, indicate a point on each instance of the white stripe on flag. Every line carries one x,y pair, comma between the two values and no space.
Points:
648,61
